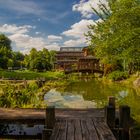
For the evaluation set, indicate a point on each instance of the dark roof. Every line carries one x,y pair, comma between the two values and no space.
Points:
59,61
71,49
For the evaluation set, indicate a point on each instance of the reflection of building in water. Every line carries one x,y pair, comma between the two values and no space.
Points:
75,58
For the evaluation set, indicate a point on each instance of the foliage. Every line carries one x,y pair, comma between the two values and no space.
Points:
116,37
30,75
11,96
5,42
5,51
18,60
38,60
118,75
42,60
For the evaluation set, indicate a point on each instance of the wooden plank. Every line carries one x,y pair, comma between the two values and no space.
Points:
62,130
75,124
103,130
55,131
70,130
91,129
78,131
39,114
85,134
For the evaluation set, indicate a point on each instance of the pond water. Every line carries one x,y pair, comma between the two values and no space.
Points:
94,93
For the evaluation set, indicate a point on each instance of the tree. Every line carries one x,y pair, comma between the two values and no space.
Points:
5,42
5,51
18,59
117,37
38,60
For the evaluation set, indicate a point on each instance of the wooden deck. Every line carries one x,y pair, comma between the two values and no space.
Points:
37,116
82,129
71,124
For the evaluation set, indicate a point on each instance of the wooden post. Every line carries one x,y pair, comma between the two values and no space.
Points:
49,123
45,135
110,112
110,116
50,117
111,101
124,116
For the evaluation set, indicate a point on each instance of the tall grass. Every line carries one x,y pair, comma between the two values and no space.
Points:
12,96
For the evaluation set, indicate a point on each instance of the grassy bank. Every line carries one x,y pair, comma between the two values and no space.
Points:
16,92
30,75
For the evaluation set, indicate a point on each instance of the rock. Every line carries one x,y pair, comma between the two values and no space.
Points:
137,82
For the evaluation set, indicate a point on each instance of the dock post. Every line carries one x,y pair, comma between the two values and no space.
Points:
50,117
49,123
111,101
124,116
110,112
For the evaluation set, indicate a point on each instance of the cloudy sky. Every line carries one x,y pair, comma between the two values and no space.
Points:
47,24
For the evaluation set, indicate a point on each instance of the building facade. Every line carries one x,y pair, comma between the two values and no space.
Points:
75,59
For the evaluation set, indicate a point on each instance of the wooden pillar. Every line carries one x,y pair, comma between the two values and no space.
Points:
110,113
49,123
111,101
50,117
124,116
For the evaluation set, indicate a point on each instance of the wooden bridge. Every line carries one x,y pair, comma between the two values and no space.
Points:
70,124
84,70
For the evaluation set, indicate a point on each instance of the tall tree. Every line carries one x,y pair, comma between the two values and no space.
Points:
38,60
117,36
5,51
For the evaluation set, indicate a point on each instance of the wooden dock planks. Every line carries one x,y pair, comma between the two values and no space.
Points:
82,129
71,124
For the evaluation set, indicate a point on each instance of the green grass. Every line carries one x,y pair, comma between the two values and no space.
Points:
30,75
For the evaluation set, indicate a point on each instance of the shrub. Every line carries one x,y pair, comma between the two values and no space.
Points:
118,75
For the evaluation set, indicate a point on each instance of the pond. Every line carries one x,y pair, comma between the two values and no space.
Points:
94,94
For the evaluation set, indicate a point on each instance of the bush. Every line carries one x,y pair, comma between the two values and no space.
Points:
118,75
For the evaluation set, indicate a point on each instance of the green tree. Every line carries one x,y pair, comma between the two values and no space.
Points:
5,42
5,51
38,60
117,37
18,59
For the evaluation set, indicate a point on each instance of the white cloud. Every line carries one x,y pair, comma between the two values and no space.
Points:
27,42
11,29
22,41
53,46
74,43
76,33
84,7
78,29
54,38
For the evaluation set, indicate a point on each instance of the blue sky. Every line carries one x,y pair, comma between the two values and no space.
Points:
47,24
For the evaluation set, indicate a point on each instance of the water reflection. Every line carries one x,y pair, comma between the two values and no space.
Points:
67,100
94,93
122,94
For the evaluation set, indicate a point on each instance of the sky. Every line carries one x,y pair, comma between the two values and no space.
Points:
47,24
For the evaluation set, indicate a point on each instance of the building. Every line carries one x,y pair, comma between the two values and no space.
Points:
75,59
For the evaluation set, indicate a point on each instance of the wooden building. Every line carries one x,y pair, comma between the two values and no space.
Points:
76,59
